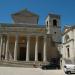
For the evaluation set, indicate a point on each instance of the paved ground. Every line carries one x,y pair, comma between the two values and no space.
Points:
28,71
69,74
53,72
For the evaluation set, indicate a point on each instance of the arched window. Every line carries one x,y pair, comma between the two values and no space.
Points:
66,38
54,22
47,22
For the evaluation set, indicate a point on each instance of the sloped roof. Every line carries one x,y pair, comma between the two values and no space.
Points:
26,13
68,28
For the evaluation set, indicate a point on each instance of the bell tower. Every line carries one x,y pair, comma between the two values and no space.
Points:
53,27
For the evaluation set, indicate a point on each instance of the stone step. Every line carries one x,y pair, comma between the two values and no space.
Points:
21,64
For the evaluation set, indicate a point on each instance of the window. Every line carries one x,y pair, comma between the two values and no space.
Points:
47,24
66,38
68,52
55,32
54,22
37,21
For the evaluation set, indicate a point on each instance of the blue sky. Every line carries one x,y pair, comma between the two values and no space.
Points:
65,8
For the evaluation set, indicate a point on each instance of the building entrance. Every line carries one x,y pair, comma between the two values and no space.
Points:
22,54
39,56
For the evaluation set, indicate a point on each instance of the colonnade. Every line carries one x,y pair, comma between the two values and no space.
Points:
27,48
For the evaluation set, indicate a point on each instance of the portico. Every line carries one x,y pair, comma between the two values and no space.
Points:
14,45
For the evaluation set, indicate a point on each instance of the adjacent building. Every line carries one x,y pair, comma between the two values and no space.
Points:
68,46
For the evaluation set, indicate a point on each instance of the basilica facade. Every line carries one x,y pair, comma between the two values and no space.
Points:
25,40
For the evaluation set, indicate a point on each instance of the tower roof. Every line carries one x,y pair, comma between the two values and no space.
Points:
53,15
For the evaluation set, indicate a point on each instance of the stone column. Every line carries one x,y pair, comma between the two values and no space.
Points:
28,48
7,48
16,48
3,49
36,49
1,40
44,49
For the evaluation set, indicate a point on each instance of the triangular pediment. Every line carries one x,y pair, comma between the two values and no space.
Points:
25,13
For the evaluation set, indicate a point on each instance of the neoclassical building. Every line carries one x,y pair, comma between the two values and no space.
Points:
68,45
25,40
